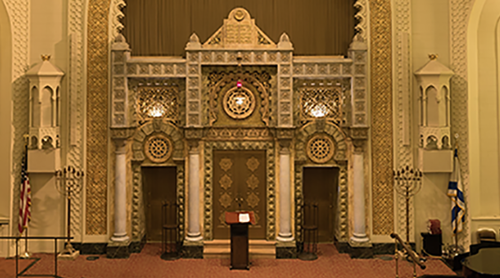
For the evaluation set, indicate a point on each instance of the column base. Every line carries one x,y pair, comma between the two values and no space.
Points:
286,250
122,237
360,250
359,238
285,237
192,249
194,238
118,250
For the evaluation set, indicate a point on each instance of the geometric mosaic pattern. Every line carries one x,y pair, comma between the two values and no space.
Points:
97,115
381,92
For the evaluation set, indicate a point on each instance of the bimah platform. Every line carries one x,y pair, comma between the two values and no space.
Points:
239,222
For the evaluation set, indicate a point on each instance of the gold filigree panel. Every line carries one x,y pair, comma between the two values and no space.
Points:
321,102
381,97
238,97
97,117
158,102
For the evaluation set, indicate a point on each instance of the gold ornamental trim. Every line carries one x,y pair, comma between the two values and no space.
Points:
381,127
97,117
225,134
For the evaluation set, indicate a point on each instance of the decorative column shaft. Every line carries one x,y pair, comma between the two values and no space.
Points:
285,232
193,233
359,234
120,233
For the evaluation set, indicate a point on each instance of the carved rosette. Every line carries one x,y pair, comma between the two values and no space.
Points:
320,148
238,100
158,148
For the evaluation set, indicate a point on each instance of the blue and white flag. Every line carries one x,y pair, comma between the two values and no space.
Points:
456,194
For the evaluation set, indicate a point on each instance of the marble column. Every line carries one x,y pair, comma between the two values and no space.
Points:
193,229
359,233
120,233
285,232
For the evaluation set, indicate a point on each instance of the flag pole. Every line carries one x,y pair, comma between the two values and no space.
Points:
456,248
26,254
456,223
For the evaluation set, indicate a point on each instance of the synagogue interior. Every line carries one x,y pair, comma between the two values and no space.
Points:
342,123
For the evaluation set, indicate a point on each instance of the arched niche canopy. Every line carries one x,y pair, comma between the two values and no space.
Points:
44,99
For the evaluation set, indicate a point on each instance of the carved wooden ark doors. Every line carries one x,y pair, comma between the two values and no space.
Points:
239,184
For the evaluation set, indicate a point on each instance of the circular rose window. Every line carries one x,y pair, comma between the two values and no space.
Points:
158,148
239,103
320,148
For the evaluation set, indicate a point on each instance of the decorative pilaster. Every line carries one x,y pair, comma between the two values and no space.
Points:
120,233
359,233
194,231
285,232
359,243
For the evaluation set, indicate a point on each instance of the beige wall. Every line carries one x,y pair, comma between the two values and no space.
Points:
48,35
5,126
484,103
5,111
430,34
47,212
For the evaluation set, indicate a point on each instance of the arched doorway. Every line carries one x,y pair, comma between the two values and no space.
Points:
484,120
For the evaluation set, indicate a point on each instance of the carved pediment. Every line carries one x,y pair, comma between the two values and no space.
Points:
239,31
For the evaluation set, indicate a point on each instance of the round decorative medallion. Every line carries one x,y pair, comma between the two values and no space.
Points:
158,148
320,148
239,102
239,15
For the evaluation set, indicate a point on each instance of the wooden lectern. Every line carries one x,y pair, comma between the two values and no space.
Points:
239,222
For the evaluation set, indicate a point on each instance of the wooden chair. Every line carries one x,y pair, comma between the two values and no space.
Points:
486,234
170,231
310,214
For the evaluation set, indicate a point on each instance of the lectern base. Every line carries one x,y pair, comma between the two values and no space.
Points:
307,256
170,256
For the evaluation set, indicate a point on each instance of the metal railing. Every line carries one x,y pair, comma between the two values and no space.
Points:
17,238
417,260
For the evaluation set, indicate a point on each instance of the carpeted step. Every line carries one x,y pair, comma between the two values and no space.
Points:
220,248
440,276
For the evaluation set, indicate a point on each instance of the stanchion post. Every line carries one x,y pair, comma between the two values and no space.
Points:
17,257
396,257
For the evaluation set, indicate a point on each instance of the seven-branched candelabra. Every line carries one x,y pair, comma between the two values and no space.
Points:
68,183
407,183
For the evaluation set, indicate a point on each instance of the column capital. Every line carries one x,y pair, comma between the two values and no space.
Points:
193,133
122,133
285,146
359,146
193,146
284,133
